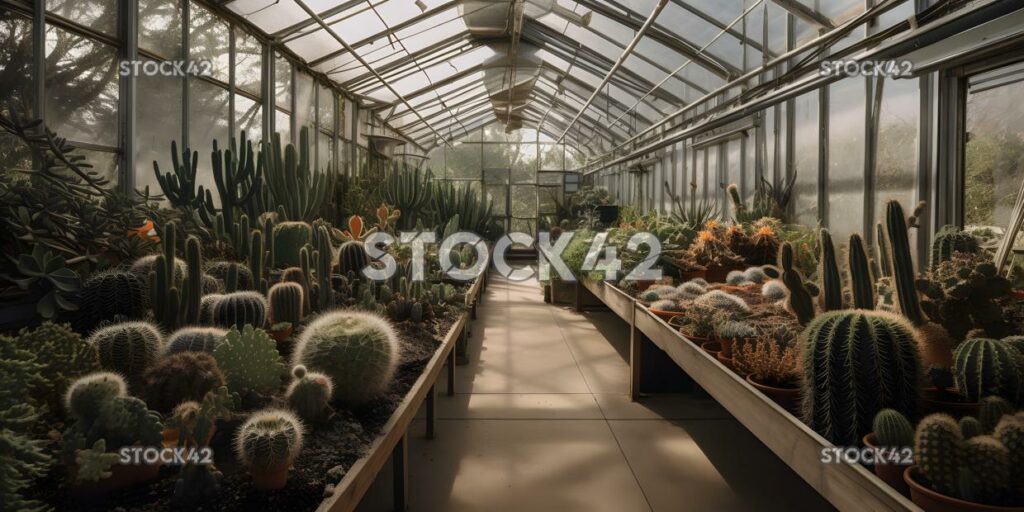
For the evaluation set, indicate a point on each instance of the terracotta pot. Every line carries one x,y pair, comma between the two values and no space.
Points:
787,398
718,273
947,401
727,344
667,315
643,285
269,479
711,347
890,473
932,501
727,361
173,435
121,476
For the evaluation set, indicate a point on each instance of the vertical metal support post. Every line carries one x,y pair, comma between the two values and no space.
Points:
451,372
431,411
636,342
269,101
578,303
925,164
823,101
186,13
400,470
39,59
128,22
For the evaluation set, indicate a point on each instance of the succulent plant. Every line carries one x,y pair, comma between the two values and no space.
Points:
145,265
220,270
735,330
286,303
693,287
709,250
723,301
206,305
294,183
1010,432
128,348
755,275
967,301
240,309
736,278
896,228
866,361
862,285
86,395
194,339
938,452
831,298
62,355
893,429
984,367
353,257
773,290
179,378
110,295
301,276
289,239
799,298
665,305
250,361
970,427
324,263
991,410
269,439
309,394
358,351
986,470
950,240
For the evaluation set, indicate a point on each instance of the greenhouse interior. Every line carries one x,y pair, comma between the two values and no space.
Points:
524,255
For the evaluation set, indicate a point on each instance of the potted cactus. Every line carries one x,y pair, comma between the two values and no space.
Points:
267,444
772,367
893,431
981,367
710,252
731,333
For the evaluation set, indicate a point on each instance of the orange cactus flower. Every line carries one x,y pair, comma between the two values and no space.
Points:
766,231
711,224
147,231
705,236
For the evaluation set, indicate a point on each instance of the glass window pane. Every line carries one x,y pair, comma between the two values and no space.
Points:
283,126
497,195
15,83
325,109
524,201
248,63
208,39
805,161
160,27
463,162
81,88
99,15
305,101
248,118
995,149
208,120
157,124
104,163
283,82
323,150
896,166
846,158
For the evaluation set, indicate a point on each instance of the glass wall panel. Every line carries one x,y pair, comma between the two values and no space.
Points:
248,63
283,126
81,88
846,157
305,101
160,27
208,120
734,165
15,81
896,165
283,82
157,124
806,132
248,118
209,39
995,147
325,109
99,15
463,162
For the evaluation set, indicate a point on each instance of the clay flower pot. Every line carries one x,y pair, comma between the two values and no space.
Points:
787,398
890,473
948,401
932,501
666,315
269,479
711,347
281,334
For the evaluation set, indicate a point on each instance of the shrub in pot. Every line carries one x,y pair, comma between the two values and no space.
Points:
267,444
773,368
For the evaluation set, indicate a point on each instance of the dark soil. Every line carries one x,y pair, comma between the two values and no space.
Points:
328,451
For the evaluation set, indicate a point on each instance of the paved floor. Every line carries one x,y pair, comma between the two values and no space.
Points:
543,422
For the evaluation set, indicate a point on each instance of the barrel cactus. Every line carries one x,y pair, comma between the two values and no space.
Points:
194,339
85,395
358,351
938,447
110,295
991,410
286,303
1010,432
736,278
146,264
970,427
692,287
268,442
666,305
128,348
240,309
951,239
221,269
984,367
867,361
773,290
210,285
206,305
289,238
179,378
985,473
723,301
309,394
893,429
250,361
353,258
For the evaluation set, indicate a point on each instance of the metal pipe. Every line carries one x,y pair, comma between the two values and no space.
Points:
618,64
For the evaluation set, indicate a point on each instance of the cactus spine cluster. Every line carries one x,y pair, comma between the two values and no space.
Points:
194,339
250,361
862,285
309,394
841,399
353,258
991,410
269,439
239,309
984,367
902,263
243,279
828,270
324,266
300,276
286,303
128,348
720,300
938,449
85,395
893,429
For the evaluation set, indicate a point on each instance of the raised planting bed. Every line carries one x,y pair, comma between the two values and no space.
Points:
846,486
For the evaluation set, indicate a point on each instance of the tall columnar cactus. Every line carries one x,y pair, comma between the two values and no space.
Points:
882,252
109,295
856,363
353,258
309,394
859,273
179,378
985,474
938,451
193,292
250,361
238,176
324,266
289,239
408,190
984,367
239,309
301,275
1010,432
286,303
951,239
893,429
296,187
903,263
222,269
799,300
358,351
268,443
128,348
180,188
194,339
828,272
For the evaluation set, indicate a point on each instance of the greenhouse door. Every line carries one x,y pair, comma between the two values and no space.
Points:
515,205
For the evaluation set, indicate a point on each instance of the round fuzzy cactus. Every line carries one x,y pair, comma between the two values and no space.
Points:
755,275
985,471
984,367
309,394
250,361
1010,432
970,427
210,285
179,378
220,270
665,305
718,299
286,303
991,410
289,239
938,447
194,339
269,439
352,257
865,360
358,351
773,290
649,296
206,308
128,348
240,309
109,295
736,278
893,429
692,288
86,394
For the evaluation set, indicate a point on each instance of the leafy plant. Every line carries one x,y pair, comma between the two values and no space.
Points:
46,275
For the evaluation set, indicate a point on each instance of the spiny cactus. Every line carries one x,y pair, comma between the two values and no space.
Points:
309,394
239,309
856,363
736,278
799,301
220,269
181,377
301,276
86,395
665,305
297,187
194,339
289,239
892,429
755,275
269,440
831,298
986,470
250,361
358,351
692,287
735,330
984,367
773,290
353,258
63,356
862,285
720,300
143,266
128,348
991,410
286,303
324,263
238,177
970,427
967,301
1010,432
938,452
109,295
903,264
949,240
206,305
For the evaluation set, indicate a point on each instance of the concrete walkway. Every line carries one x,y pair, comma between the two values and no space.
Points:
542,422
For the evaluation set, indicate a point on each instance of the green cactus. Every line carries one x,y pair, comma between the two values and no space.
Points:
855,364
984,367
735,330
193,289
882,255
309,394
892,429
353,258
63,356
419,312
257,255
773,290
736,278
991,410
180,188
181,377
968,301
755,275
112,295
286,303
269,439
938,449
862,285
206,305
828,271
86,395
289,239
324,266
128,348
358,351
303,277
1010,432
970,427
723,301
949,240
239,309
221,269
194,339
296,187
250,361
985,474
210,285
195,421
903,263
238,177
799,301
25,459
408,190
